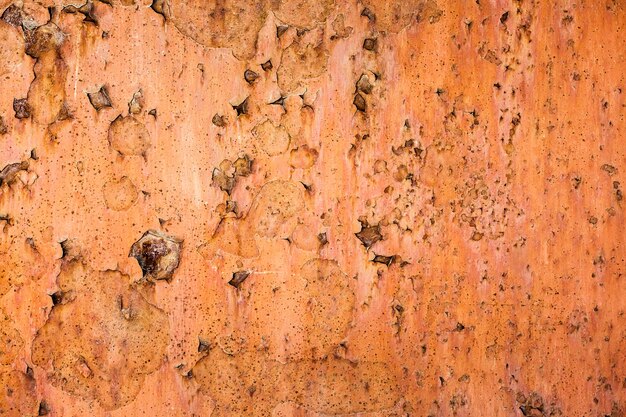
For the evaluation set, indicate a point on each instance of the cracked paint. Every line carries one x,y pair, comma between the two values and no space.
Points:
312,208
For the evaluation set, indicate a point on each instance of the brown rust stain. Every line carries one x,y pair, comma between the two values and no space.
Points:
388,208
158,255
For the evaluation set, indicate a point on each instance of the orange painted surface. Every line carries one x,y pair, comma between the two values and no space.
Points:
311,208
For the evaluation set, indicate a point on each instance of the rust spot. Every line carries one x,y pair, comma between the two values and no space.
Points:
158,255
368,235
69,250
203,346
62,297
100,99
238,278
267,65
370,44
428,10
365,86
136,103
42,39
382,259
9,173
369,14
44,410
250,76
86,10
13,15
398,308
490,56
531,406
609,169
64,113
322,238
222,180
280,30
243,166
219,121
22,108
224,209
7,220
3,127
242,108
340,28
380,166
159,6
230,206
303,157
359,103
401,174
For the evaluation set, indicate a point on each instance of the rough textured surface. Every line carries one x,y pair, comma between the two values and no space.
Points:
296,208
101,337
